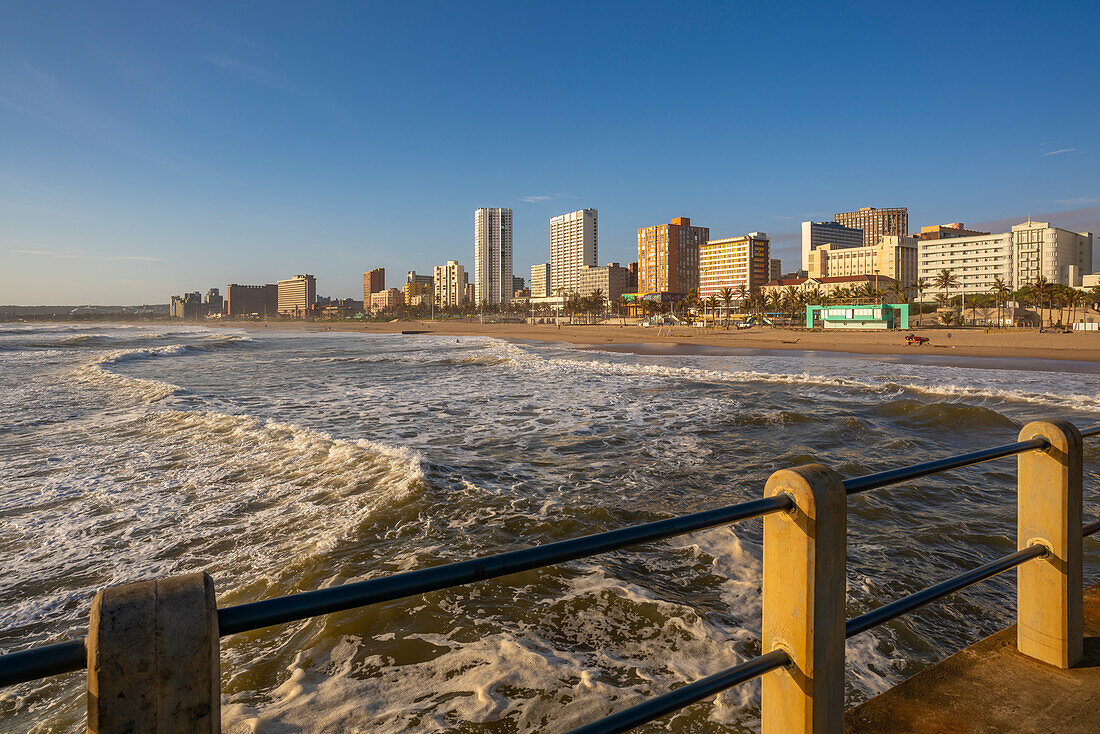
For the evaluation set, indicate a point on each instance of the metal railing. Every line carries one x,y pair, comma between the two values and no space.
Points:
71,656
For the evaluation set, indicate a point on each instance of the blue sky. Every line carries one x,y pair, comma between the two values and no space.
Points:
153,148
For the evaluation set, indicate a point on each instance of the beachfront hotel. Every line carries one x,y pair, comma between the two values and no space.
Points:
976,262
816,234
876,222
297,295
668,256
734,262
895,256
1030,250
450,284
493,255
573,247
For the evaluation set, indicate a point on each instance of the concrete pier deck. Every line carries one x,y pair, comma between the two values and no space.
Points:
990,687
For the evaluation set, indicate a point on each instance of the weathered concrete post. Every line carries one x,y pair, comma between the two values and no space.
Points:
153,658
803,597
1049,598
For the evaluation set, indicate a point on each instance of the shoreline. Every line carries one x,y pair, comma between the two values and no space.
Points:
944,344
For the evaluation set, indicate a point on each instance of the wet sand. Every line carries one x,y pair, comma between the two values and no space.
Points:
1014,349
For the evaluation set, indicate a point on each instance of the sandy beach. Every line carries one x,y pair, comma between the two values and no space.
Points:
1004,345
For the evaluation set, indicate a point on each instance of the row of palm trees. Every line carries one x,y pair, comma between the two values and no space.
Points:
1040,294
791,301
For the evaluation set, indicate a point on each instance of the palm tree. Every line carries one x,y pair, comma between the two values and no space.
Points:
726,294
918,286
712,302
945,280
1041,289
1000,292
1074,298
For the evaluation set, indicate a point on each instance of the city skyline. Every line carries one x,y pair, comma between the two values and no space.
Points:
224,147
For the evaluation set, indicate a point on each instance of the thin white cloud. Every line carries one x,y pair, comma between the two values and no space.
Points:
252,72
1062,151
1078,201
62,255
49,253
540,198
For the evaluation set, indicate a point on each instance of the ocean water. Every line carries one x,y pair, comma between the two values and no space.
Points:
285,461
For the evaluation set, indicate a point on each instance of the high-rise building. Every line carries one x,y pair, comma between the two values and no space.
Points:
1058,255
945,231
573,246
733,262
493,255
895,256
633,268
975,262
517,284
775,268
214,302
816,234
252,300
188,306
540,280
876,222
374,281
668,257
297,295
450,284
416,285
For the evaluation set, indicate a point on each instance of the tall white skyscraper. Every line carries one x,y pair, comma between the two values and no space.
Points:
493,255
573,241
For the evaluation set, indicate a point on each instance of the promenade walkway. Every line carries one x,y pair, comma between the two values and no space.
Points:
990,687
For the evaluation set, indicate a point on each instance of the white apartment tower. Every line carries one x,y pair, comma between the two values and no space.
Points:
573,242
450,284
1058,255
493,255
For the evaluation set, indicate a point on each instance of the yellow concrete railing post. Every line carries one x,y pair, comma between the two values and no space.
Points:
803,597
153,658
1049,598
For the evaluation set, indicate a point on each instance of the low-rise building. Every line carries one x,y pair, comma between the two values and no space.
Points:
947,231
386,300
612,280
832,284
895,256
540,280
